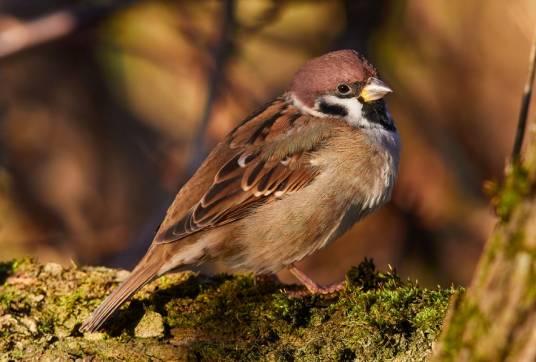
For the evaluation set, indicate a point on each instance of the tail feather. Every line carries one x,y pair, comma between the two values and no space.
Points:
137,279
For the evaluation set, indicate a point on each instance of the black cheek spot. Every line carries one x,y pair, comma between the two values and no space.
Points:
333,109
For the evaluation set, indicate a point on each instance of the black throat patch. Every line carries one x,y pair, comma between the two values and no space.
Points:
376,112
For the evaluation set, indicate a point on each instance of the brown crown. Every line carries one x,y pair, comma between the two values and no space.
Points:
324,73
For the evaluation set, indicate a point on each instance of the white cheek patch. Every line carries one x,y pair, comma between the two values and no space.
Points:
352,106
305,109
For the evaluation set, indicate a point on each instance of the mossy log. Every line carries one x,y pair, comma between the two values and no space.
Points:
188,316
496,319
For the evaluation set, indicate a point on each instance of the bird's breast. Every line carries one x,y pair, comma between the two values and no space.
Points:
362,166
363,170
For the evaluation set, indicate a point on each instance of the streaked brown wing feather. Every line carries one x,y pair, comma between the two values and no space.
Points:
270,158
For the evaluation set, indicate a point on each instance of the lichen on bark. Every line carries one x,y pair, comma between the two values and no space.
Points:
188,316
496,319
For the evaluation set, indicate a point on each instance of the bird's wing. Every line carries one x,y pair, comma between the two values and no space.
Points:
265,157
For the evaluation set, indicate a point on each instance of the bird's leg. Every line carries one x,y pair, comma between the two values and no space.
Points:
311,286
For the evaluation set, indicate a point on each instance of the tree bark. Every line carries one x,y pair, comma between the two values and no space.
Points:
496,319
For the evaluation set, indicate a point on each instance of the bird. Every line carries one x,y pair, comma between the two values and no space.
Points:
285,182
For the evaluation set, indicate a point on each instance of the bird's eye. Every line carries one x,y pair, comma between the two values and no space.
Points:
344,89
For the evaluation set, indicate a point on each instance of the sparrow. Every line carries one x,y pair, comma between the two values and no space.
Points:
288,180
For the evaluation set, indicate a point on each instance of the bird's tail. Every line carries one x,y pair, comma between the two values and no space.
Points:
141,275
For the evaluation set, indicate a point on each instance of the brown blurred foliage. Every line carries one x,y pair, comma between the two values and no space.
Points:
102,122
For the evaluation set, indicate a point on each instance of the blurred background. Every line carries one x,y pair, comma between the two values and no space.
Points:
106,108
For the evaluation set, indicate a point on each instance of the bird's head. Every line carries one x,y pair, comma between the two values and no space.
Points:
342,84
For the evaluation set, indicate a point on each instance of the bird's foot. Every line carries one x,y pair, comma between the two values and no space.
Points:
312,287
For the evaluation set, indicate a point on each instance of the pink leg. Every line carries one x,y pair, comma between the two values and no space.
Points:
311,286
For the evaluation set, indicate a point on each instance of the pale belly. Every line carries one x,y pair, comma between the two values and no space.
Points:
299,225
350,187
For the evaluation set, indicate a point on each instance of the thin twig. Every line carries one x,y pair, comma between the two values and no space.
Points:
28,34
220,55
525,103
216,79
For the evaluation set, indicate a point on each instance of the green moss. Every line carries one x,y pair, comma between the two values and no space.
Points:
220,318
516,186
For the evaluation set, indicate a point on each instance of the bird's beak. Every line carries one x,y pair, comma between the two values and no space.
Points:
375,89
